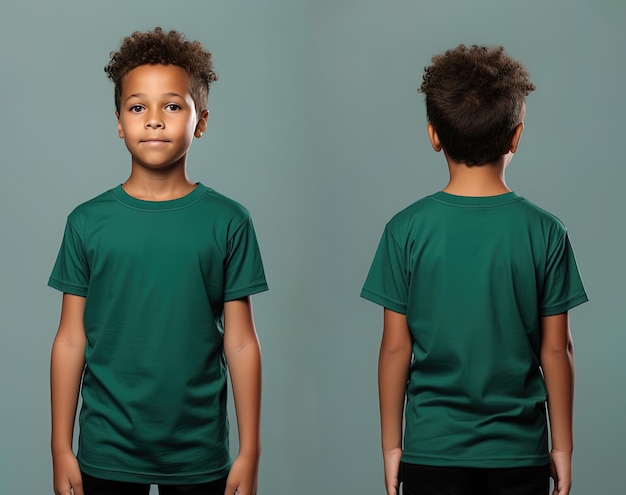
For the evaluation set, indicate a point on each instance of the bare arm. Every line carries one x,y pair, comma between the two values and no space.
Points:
393,371
243,355
557,362
66,369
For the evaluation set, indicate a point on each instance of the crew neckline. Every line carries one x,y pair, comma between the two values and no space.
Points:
171,204
476,201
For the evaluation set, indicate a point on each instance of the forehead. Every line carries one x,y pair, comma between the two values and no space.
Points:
156,79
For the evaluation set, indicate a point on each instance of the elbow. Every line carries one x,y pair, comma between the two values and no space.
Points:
567,348
399,350
556,354
242,347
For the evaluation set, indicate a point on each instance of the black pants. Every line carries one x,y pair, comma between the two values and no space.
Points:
97,486
431,480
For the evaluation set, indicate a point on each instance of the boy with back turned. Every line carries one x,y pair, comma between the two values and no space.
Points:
156,276
476,284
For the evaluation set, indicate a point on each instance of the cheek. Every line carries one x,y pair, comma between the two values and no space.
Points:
191,129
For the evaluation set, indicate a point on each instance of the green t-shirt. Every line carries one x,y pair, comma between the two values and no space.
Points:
474,276
155,276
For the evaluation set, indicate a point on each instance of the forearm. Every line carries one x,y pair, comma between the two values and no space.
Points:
558,371
557,362
66,370
393,369
244,364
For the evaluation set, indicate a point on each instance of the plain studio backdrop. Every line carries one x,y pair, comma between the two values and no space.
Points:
317,128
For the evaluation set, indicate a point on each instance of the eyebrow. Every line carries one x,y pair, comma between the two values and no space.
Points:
143,95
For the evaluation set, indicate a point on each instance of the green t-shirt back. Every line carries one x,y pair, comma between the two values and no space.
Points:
155,276
474,276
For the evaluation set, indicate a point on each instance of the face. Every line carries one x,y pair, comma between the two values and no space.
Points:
157,117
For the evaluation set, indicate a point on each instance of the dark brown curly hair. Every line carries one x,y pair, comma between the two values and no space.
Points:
475,99
159,47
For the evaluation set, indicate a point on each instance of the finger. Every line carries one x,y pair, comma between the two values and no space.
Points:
65,490
78,488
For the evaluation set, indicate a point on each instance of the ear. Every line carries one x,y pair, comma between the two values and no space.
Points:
201,125
434,138
120,131
517,134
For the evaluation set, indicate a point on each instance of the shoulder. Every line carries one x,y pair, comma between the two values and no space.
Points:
419,207
537,211
420,211
223,204
88,209
540,218
224,211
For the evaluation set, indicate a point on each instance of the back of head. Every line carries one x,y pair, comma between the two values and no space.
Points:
160,47
474,100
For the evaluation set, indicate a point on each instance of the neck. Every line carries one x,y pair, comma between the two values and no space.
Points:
479,180
158,185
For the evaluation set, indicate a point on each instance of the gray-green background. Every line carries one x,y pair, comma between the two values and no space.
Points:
317,128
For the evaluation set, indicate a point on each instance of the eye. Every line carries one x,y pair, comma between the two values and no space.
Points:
173,107
135,109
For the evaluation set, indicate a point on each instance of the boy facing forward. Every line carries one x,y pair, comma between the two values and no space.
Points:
156,276
476,283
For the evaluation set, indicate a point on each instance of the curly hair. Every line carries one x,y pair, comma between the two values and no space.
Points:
474,100
159,47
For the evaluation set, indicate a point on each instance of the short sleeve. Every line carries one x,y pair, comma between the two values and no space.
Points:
563,288
243,268
387,282
71,270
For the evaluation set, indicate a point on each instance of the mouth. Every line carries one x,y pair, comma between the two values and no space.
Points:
154,141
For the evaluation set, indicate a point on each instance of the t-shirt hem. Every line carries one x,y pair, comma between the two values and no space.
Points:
231,295
478,462
67,288
565,306
383,301
160,478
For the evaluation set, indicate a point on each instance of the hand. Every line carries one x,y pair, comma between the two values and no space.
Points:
67,477
243,476
561,471
391,459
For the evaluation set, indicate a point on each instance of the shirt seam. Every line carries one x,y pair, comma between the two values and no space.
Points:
159,210
566,305
383,300
503,203
233,294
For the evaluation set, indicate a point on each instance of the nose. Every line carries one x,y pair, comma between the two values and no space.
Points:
153,121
